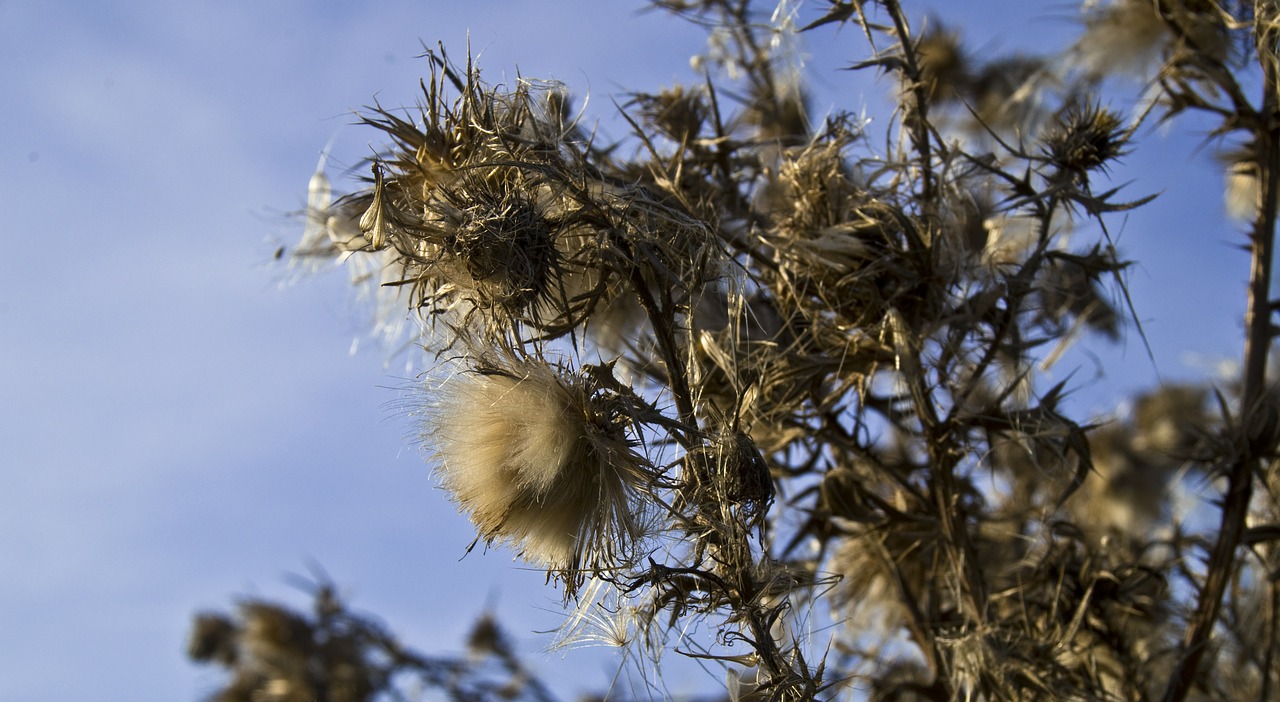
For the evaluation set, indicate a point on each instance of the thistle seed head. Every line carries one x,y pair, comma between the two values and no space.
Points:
505,243
539,460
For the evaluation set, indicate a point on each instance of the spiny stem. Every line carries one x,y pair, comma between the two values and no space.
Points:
664,330
1235,507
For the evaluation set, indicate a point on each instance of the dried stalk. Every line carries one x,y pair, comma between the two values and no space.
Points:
1240,473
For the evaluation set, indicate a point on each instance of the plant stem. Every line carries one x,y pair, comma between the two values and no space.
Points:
1235,506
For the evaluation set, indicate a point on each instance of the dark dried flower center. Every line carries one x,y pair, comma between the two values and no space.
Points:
732,469
505,241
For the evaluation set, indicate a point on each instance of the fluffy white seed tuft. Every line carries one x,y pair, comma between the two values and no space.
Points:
538,465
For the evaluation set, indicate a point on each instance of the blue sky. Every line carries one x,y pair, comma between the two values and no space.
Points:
180,427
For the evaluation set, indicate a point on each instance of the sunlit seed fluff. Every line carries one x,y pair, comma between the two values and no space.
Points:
536,464
599,618
1241,195
1123,36
332,228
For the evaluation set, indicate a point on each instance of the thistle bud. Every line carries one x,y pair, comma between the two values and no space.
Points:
1086,138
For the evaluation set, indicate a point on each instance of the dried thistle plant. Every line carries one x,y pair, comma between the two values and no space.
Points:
746,370
274,653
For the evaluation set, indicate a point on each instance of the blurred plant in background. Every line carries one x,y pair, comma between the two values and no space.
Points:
770,389
334,654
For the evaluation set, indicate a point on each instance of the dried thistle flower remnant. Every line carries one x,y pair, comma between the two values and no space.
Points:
943,65
538,460
1086,138
502,238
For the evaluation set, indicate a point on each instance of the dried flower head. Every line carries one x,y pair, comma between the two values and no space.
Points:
540,460
1006,94
677,112
944,69
1086,137
730,470
487,638
833,242
213,638
503,239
